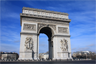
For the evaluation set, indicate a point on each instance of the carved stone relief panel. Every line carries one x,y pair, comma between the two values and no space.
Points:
53,26
64,45
62,30
29,27
45,21
46,25
29,43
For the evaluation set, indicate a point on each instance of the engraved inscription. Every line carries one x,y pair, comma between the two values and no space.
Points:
62,30
29,27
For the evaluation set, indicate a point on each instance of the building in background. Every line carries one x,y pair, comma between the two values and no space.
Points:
84,55
8,56
0,55
44,56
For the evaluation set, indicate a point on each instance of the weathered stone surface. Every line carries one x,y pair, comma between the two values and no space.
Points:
29,27
44,21
29,43
64,45
55,28
46,25
45,14
62,29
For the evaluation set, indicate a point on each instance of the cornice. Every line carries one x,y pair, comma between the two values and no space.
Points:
27,33
43,17
41,10
61,35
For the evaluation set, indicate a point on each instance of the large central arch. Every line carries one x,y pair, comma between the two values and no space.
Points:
49,32
54,24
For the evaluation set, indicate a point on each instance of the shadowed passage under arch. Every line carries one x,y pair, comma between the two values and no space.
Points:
49,33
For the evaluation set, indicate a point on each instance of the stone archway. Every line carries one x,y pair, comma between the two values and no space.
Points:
54,24
49,32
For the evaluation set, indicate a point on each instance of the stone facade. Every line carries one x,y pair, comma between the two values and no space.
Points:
55,27
29,27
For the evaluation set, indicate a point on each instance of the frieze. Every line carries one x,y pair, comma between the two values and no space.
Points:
29,27
62,30
45,14
45,21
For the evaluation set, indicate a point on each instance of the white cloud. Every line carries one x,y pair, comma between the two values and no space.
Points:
8,12
74,48
11,15
17,41
91,45
88,47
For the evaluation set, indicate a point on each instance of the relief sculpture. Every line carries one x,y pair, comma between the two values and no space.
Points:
45,21
46,25
62,29
29,43
64,45
30,27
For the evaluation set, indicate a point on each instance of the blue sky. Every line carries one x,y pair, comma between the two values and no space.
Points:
82,25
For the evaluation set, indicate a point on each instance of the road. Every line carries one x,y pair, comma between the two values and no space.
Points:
50,62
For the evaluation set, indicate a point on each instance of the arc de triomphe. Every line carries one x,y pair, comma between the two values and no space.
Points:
54,24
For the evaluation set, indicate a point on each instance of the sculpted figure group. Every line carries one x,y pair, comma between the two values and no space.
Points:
29,43
64,45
